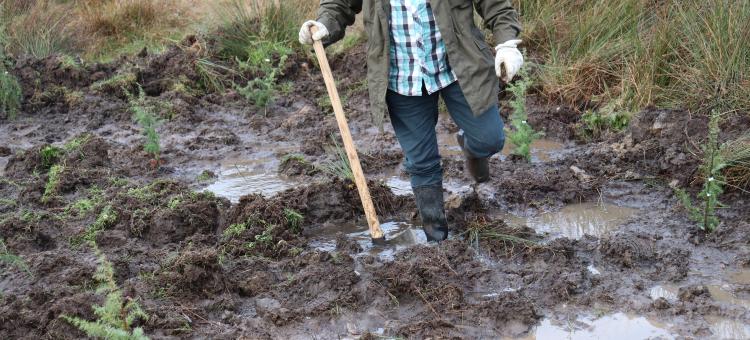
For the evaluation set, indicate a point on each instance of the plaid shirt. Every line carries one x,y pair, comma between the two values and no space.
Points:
417,50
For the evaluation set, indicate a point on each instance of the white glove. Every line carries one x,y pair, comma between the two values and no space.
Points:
510,57
306,37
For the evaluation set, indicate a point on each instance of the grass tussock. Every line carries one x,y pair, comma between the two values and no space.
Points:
96,29
627,54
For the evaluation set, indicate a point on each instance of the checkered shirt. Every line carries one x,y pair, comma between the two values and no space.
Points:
417,50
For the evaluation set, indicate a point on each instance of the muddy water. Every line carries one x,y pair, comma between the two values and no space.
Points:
616,326
398,235
239,177
542,150
576,220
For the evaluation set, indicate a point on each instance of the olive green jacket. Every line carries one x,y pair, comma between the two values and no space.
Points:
468,54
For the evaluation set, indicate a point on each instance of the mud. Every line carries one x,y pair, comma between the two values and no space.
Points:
230,236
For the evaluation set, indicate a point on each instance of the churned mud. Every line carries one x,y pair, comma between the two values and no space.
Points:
585,241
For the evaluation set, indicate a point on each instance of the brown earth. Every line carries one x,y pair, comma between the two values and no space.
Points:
171,250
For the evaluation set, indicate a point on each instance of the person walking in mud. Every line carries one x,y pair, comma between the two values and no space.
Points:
418,51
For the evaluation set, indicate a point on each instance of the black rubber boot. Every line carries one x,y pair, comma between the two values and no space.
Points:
430,204
479,168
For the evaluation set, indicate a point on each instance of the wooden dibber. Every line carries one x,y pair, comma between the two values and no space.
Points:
351,152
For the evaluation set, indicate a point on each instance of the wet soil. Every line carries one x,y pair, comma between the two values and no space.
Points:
586,240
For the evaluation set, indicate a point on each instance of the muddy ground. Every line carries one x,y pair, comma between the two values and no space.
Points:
584,240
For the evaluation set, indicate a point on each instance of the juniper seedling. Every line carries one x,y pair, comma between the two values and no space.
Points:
261,91
148,120
522,134
116,316
713,184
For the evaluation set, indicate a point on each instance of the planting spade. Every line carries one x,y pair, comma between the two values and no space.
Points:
351,152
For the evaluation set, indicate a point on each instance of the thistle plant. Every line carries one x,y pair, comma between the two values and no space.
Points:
713,185
522,134
116,316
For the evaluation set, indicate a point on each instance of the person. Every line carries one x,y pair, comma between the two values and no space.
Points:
418,51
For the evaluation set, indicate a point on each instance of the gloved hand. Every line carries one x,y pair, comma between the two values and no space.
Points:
306,37
509,57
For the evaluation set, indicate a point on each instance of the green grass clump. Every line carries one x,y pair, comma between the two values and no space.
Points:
595,123
713,181
11,259
263,239
116,316
339,167
116,83
49,155
10,89
107,217
145,115
522,134
234,230
293,220
53,182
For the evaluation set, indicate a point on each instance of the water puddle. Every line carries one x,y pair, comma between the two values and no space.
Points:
398,235
668,292
741,277
611,327
399,186
237,178
576,220
542,150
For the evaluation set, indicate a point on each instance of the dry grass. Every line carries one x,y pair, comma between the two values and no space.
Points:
627,54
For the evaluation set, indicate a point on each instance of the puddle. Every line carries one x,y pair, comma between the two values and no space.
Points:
741,277
242,177
726,329
668,292
576,220
399,186
542,150
398,235
611,327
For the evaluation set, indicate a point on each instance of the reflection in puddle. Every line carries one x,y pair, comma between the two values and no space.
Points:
615,326
239,178
576,220
668,292
726,329
399,186
398,235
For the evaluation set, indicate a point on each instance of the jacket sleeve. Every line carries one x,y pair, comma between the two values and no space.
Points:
335,15
500,17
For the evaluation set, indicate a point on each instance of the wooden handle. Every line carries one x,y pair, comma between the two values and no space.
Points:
351,152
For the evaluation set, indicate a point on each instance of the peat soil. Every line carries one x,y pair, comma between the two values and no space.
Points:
584,239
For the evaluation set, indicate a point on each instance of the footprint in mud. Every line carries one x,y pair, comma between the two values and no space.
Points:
398,235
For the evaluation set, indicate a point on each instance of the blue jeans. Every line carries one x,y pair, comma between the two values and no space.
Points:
414,119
